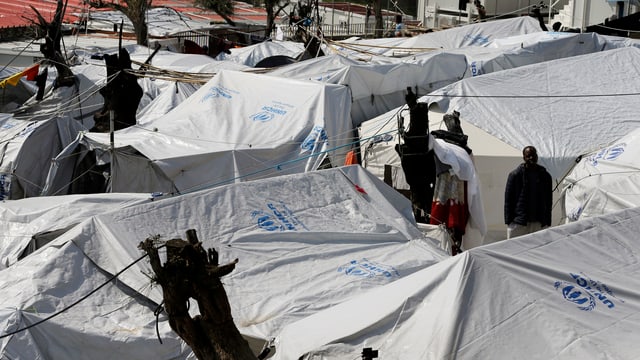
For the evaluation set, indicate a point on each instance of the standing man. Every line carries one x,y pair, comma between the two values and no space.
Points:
528,196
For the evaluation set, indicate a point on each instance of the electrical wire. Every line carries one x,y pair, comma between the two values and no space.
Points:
212,183
115,276
562,96
18,54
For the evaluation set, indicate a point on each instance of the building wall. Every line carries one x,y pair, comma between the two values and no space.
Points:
571,13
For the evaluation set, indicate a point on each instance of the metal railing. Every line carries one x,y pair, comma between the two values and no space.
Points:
334,31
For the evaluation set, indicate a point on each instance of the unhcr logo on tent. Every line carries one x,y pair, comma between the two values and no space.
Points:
475,69
268,113
7,125
586,293
368,269
262,116
277,218
217,92
610,154
476,39
316,137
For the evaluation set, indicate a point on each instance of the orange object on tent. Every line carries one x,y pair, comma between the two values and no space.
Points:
351,158
31,73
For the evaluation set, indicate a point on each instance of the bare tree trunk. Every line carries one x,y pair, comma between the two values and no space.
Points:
141,30
273,9
51,49
377,11
192,272
270,20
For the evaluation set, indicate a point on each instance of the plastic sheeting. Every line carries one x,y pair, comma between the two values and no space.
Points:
568,292
514,51
553,105
378,87
21,220
27,148
479,34
237,127
379,84
304,242
605,181
113,322
475,35
252,54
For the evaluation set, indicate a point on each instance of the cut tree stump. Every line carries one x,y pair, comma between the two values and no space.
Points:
192,272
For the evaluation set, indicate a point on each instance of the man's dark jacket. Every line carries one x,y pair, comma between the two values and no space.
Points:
515,195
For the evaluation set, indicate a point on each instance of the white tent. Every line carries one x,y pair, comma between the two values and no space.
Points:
164,100
479,34
483,117
569,292
379,87
304,242
553,105
27,224
38,131
605,180
519,50
237,127
378,84
252,54
113,321
29,140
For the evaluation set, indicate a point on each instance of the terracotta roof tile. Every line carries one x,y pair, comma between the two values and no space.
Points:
19,13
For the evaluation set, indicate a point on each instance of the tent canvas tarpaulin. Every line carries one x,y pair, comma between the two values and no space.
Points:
519,50
569,292
380,84
552,105
27,147
304,242
478,34
605,181
375,88
22,220
237,127
252,54
114,322
41,129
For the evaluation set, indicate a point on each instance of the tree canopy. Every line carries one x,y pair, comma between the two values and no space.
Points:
134,10
223,8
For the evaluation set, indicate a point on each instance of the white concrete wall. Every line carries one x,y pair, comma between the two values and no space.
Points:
572,13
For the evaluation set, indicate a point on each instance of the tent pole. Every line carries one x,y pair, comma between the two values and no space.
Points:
111,148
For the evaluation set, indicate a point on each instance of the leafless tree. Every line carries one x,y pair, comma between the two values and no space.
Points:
51,49
273,8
